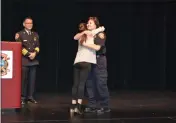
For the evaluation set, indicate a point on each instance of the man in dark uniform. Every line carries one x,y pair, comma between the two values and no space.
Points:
97,90
30,49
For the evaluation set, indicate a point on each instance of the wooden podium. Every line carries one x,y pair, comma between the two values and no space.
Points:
11,75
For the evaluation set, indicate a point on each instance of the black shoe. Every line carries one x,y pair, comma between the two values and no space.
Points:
103,110
23,101
72,108
79,109
90,110
32,101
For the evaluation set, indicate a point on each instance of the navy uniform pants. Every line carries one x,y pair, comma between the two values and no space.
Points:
28,81
96,85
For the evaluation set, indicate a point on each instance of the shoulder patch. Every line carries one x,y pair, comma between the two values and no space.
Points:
101,35
17,36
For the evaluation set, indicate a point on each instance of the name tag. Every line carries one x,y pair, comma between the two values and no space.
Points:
24,40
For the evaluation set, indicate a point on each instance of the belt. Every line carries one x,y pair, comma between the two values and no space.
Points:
100,55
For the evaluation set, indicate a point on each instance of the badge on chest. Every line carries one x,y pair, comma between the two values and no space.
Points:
35,38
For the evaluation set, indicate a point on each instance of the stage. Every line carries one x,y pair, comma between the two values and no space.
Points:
126,106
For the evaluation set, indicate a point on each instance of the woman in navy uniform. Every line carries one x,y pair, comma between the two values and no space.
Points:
30,49
97,90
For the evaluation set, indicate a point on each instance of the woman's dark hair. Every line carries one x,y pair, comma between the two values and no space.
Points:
83,27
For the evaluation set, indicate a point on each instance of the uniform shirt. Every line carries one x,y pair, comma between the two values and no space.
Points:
28,32
100,40
30,43
85,54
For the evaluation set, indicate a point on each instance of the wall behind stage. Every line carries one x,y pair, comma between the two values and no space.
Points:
140,40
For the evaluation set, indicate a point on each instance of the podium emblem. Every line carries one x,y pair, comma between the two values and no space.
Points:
6,64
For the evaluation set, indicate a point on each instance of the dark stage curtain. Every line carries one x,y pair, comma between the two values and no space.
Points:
140,40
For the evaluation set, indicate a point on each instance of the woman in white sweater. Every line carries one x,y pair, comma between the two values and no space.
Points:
82,65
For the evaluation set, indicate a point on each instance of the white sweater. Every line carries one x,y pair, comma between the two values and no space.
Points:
85,54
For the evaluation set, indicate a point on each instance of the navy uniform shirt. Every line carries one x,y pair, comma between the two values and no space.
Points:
30,43
100,40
